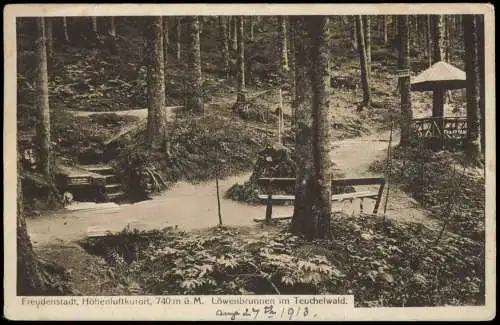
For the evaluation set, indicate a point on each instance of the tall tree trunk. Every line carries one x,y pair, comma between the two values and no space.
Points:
49,36
447,43
304,131
385,29
223,39
166,42
394,27
95,33
293,88
283,43
194,93
482,86
438,55
42,103
365,77
178,31
156,134
354,34
312,209
252,27
31,278
322,204
404,82
229,22
234,22
241,59
65,30
368,43
471,67
111,38
429,40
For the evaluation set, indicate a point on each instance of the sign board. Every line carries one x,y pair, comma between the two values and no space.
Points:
402,73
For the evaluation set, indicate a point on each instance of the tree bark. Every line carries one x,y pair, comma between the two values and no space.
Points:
166,42
322,203
223,39
438,55
234,22
42,103
293,88
252,27
31,279
194,89
50,37
354,34
385,29
111,38
404,82
241,59
304,131
95,34
65,30
283,43
368,42
429,40
156,134
365,77
178,31
471,67
482,86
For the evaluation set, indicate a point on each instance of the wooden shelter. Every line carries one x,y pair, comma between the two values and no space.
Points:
440,77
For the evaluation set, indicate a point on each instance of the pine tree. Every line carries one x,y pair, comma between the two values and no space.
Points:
312,210
368,43
241,59
42,103
166,42
283,43
365,77
404,83
224,43
194,89
156,132
471,67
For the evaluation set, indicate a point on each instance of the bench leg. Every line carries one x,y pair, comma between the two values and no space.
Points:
269,209
379,198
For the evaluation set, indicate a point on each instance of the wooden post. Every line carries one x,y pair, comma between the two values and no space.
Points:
269,207
389,155
282,123
379,197
217,185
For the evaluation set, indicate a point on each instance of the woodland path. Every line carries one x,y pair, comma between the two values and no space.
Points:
194,206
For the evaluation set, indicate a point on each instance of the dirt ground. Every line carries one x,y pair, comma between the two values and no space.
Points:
194,206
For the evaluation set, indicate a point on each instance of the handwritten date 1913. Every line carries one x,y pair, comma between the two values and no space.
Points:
268,312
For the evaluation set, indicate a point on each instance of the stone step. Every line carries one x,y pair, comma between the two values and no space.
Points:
115,196
110,179
99,169
112,188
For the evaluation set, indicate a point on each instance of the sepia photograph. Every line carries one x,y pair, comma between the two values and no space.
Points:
161,159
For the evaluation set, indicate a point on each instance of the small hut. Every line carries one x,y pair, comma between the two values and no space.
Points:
439,78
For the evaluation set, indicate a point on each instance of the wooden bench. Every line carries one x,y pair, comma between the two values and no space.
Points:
271,198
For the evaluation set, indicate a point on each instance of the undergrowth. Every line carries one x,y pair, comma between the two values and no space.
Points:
381,262
444,183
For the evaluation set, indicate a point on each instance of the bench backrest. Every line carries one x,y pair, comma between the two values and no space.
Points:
282,182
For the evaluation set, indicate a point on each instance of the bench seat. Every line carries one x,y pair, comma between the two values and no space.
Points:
336,197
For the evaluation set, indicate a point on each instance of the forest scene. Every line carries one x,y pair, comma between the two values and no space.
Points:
249,155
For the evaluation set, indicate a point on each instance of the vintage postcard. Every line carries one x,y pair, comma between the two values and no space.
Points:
305,162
